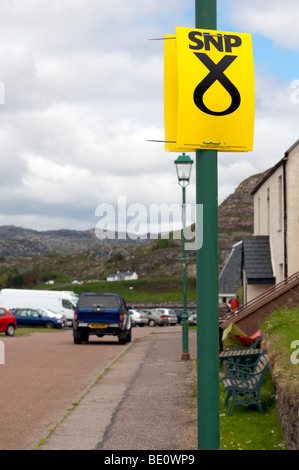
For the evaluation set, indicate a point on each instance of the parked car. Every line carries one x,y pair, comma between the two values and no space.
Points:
102,314
50,313
179,313
172,318
31,318
138,318
8,323
192,319
156,318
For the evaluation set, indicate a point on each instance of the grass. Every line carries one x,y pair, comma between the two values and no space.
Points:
248,428
26,331
281,339
141,291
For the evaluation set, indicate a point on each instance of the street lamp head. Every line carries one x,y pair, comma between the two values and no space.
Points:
183,167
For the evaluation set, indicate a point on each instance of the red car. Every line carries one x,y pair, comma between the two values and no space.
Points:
8,322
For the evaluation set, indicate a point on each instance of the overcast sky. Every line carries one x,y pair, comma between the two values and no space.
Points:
84,93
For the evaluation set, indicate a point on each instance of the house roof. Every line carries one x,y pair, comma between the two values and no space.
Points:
272,170
230,278
254,256
257,260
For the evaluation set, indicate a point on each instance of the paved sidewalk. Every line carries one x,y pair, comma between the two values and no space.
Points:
142,401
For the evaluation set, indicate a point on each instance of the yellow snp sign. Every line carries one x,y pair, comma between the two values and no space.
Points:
208,91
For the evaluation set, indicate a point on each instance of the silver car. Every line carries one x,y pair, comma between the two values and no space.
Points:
170,313
192,319
156,318
138,318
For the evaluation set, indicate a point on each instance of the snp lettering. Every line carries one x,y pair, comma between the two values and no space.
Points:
223,43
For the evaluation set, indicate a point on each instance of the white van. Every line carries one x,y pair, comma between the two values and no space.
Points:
63,302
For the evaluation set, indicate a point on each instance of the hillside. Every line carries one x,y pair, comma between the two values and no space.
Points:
70,254
20,242
235,217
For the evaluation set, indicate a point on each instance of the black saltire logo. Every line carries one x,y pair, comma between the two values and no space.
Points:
216,73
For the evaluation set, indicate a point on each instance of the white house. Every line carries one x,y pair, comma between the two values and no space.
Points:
276,213
123,276
273,252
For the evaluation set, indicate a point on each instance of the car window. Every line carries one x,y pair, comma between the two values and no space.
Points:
67,304
2,312
105,301
22,313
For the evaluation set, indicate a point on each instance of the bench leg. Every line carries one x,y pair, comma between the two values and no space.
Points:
245,402
229,394
233,402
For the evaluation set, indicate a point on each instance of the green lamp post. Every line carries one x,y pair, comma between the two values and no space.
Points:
183,168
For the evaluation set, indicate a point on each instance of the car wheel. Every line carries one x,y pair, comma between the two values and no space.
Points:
10,330
49,324
122,339
129,336
78,337
152,323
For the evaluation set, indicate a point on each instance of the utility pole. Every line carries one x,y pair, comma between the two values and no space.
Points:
207,275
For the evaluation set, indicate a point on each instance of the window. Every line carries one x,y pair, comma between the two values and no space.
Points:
258,217
106,301
67,304
280,202
268,211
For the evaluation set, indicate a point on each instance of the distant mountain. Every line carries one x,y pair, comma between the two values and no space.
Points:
20,242
81,255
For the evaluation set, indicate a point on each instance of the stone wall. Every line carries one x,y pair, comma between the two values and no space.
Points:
289,418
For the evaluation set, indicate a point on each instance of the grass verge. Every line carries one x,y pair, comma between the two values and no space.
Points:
248,428
281,340
26,331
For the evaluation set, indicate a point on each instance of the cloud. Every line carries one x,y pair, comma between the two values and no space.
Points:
272,18
84,94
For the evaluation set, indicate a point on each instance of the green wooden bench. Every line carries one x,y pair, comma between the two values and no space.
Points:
243,383
244,356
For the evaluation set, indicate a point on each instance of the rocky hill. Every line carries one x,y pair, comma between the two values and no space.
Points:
81,255
235,217
21,242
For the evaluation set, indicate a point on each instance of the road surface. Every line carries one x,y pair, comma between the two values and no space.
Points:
44,374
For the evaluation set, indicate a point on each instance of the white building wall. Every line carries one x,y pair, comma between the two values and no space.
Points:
268,218
292,178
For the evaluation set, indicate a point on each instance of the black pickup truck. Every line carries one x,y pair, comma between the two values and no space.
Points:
101,314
